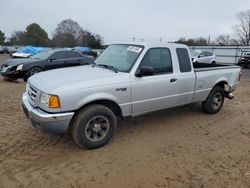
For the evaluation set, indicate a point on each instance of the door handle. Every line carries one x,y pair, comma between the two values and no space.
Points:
173,79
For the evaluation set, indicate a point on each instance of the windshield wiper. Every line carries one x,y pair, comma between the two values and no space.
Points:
107,67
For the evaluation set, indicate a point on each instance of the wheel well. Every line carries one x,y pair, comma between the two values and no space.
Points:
108,103
222,84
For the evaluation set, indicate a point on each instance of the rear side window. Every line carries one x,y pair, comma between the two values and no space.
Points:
159,59
184,60
72,54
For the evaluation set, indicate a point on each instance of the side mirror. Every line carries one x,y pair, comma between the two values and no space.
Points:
52,59
145,71
199,56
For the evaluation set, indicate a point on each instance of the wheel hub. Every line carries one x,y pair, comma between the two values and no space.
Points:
96,127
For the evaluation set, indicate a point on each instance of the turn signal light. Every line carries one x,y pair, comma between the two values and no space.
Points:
54,102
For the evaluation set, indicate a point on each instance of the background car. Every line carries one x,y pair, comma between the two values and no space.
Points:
2,50
244,60
86,51
13,69
203,57
10,49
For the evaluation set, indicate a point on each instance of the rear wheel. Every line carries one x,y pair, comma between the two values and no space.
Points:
32,72
93,126
214,101
213,63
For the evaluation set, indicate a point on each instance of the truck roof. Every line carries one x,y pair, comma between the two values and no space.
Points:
155,45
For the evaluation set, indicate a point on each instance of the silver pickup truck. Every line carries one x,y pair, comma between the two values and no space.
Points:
127,80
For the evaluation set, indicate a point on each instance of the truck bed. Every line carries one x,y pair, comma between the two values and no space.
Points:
198,67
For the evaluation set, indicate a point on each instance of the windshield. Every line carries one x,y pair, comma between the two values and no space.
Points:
43,55
120,56
194,53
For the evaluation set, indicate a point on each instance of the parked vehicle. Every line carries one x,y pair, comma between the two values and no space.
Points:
2,50
202,57
10,49
244,60
28,51
86,51
13,69
126,80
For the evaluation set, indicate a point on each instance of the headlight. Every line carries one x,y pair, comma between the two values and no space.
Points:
19,67
50,101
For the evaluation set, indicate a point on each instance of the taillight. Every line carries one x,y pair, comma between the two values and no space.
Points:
240,75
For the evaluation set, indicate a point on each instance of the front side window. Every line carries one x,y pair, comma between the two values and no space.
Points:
120,56
209,54
203,54
159,59
58,55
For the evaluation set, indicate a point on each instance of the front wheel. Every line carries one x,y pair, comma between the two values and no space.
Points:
32,72
214,101
93,126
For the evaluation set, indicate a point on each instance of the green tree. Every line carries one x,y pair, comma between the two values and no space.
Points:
2,37
35,35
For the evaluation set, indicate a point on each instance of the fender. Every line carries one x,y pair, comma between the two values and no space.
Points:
95,97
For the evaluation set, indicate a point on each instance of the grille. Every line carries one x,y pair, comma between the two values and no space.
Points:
32,92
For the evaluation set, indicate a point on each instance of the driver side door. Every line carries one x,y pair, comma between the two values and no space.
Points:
57,60
158,91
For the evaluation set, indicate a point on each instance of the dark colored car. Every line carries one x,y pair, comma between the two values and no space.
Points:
244,60
13,69
2,50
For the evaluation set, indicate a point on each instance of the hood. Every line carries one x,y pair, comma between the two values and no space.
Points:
80,77
13,62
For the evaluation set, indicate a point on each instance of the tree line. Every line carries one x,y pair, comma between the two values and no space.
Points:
68,33
242,31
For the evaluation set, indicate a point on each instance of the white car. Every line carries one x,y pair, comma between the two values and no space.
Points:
203,57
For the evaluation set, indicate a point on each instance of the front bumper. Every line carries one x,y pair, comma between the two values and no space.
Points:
54,123
12,74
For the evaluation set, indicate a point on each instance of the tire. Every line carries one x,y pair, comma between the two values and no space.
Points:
93,126
32,72
214,101
213,63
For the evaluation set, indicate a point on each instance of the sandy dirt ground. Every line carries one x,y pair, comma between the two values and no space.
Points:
180,147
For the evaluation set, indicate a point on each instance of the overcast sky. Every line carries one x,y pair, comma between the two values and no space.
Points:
121,20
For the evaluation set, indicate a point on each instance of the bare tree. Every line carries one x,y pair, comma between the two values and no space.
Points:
222,40
243,28
17,38
68,34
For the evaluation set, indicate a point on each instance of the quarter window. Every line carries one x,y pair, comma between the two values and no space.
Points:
159,59
184,60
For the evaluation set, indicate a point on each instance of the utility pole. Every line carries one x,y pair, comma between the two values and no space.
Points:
209,40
